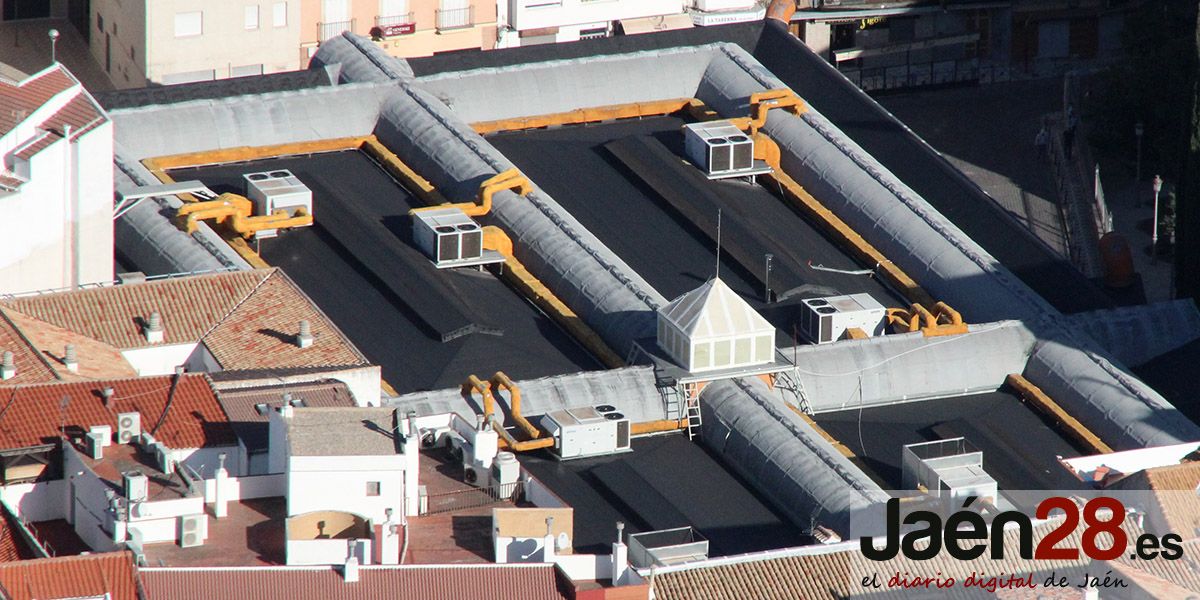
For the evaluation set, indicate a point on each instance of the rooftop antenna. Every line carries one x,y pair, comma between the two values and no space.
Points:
718,243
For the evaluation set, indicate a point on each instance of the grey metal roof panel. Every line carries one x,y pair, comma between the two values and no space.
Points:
357,59
631,390
221,88
1136,335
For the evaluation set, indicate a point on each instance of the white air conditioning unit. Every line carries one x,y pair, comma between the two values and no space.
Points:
277,190
718,148
433,437
137,485
505,473
451,239
103,432
94,445
475,475
826,320
129,427
193,529
586,431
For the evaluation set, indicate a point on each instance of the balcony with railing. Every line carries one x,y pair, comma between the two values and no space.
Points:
333,28
455,18
394,20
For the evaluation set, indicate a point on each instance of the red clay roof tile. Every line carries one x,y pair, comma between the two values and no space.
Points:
71,577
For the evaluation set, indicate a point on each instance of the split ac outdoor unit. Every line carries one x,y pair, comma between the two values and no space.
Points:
275,190
129,427
137,485
718,148
94,445
192,531
451,239
826,320
586,431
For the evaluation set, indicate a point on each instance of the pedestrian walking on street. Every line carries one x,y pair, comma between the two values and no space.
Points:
1043,139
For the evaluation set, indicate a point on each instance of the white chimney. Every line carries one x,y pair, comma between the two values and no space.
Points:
548,542
154,328
304,339
620,556
8,369
350,570
71,358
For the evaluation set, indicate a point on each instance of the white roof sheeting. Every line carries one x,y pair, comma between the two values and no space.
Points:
713,310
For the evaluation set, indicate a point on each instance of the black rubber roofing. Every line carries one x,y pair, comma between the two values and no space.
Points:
626,183
1019,449
666,482
357,265
1174,376
221,88
868,124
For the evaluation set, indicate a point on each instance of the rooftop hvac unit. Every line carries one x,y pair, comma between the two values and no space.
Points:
585,431
451,239
129,427
137,485
277,190
720,149
953,467
826,320
192,531
94,444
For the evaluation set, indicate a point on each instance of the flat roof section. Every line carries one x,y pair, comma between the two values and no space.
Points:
1019,448
627,183
356,264
666,482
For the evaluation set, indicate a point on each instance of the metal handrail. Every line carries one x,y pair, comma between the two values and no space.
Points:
384,21
334,28
455,18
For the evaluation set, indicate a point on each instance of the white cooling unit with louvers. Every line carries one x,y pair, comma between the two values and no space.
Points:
721,150
588,431
826,320
129,427
277,190
451,239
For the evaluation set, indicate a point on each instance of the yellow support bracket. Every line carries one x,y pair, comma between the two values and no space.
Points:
1051,410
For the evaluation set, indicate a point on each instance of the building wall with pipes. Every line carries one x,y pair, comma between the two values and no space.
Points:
65,211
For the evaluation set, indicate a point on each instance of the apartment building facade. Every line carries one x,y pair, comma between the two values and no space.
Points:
404,28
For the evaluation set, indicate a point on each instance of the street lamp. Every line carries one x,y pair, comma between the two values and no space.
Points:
1154,224
53,46
1138,130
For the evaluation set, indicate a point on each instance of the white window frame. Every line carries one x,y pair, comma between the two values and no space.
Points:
279,16
251,19
197,31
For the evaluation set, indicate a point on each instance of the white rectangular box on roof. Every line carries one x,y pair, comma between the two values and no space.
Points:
826,320
587,431
277,190
451,239
718,147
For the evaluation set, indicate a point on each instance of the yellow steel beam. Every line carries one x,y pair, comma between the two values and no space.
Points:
585,115
1051,410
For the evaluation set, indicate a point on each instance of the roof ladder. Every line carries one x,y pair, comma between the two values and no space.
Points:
693,417
672,402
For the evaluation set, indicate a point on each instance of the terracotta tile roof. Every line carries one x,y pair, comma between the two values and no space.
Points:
1183,573
247,319
20,100
40,144
499,582
1175,493
97,360
260,333
30,368
190,307
12,546
80,112
34,415
71,577
837,573
251,427
10,182
240,403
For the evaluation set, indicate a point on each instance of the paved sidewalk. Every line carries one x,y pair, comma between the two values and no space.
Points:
1132,211
988,133
25,45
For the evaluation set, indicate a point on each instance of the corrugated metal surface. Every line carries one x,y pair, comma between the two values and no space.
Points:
527,582
1138,334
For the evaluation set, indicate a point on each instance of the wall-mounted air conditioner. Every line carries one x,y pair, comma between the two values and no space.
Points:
826,320
586,431
277,190
719,148
136,485
451,239
129,427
